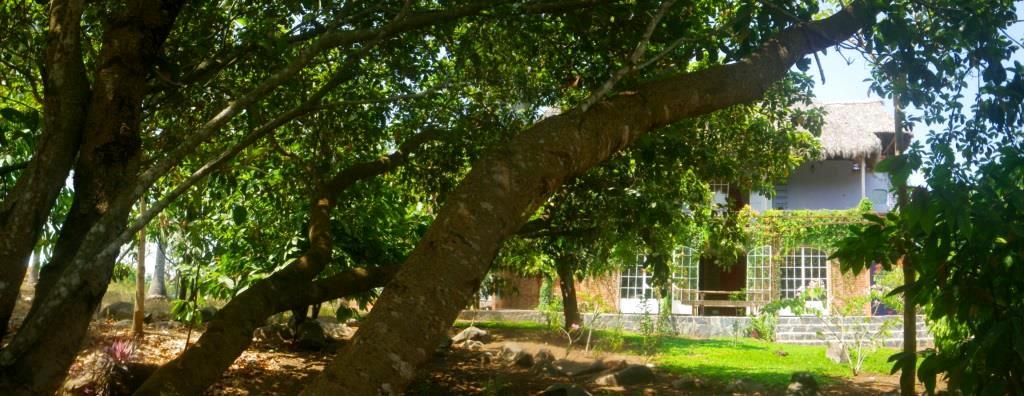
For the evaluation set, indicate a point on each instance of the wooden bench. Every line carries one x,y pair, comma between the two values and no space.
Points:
703,302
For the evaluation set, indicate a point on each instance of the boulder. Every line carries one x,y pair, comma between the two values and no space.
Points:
473,345
631,375
471,333
118,310
123,324
577,369
745,387
101,374
352,322
158,309
333,330
802,384
688,383
544,355
564,390
310,335
515,355
273,334
836,352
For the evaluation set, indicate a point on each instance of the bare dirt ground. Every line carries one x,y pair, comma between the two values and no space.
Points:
283,369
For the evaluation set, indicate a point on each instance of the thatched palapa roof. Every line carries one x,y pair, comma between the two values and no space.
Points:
851,129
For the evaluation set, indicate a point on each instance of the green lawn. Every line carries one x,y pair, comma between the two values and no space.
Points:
724,359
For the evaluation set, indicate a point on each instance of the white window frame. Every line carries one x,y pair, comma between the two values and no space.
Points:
685,279
808,265
640,297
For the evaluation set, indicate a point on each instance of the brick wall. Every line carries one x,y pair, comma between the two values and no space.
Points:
604,288
847,287
517,292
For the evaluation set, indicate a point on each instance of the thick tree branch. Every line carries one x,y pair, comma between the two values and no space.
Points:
223,342
231,330
26,207
504,187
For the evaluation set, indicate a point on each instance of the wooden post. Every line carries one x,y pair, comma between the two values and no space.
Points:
139,315
863,184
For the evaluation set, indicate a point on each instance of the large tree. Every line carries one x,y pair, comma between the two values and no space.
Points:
343,108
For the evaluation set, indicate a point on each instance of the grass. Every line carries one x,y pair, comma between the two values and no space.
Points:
725,359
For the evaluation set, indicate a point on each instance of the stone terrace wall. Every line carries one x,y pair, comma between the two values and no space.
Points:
791,330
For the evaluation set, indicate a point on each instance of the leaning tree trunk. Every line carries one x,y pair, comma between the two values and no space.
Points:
26,207
567,285
158,285
504,187
37,359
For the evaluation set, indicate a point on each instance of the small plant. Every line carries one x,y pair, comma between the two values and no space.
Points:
121,350
572,335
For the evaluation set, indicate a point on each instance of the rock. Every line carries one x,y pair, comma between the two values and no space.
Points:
352,322
564,390
631,375
544,355
473,345
103,375
167,325
471,333
333,330
207,313
745,386
688,383
94,379
273,334
802,384
158,309
516,356
577,369
836,352
118,310
781,353
123,324
310,335
486,358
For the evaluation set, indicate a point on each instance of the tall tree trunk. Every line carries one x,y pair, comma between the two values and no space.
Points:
139,315
33,272
158,285
908,373
37,359
26,207
567,283
506,186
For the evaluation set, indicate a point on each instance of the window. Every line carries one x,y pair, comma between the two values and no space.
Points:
635,283
759,273
685,275
804,268
720,194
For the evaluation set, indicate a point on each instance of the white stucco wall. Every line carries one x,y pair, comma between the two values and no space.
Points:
831,184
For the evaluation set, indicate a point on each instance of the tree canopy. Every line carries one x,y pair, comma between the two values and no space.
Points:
302,151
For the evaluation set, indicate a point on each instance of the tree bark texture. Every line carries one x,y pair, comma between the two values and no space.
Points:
231,330
567,284
72,284
158,285
26,207
505,186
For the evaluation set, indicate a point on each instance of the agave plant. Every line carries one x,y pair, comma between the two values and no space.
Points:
121,350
